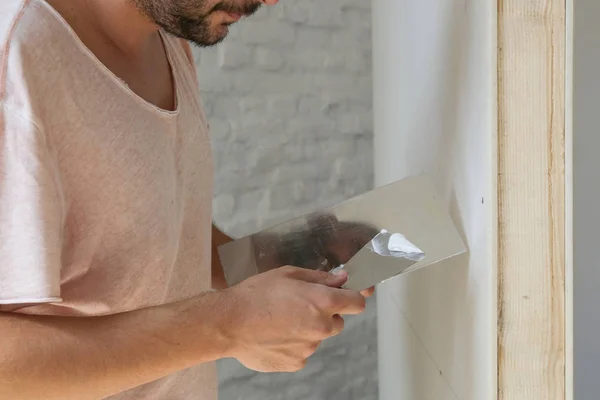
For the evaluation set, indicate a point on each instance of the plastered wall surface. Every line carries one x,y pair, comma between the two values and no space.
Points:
289,100
434,110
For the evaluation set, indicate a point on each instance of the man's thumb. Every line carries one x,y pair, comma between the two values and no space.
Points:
337,278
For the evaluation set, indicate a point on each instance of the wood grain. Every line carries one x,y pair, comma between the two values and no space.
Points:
531,206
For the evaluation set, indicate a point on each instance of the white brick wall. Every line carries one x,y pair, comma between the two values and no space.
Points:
288,96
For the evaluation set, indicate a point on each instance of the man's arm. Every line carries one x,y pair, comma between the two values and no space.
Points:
218,275
64,358
272,323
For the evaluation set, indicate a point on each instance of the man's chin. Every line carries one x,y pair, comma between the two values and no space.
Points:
214,40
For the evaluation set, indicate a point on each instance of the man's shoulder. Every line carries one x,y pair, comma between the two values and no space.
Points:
22,21
25,40
11,11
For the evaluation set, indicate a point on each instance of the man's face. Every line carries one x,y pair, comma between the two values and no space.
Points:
203,22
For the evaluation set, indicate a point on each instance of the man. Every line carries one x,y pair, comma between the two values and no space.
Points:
106,235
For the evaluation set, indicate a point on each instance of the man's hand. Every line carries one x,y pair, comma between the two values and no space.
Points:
368,292
281,316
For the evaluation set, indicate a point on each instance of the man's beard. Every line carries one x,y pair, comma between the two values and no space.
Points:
191,19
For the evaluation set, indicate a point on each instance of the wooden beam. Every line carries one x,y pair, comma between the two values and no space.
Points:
531,194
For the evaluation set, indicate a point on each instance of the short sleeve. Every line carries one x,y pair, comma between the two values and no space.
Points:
31,213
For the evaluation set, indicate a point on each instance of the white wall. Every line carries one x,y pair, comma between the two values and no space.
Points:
586,200
435,104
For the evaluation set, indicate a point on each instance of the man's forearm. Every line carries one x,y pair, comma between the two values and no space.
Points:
67,358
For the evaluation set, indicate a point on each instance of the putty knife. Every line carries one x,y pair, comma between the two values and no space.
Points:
391,230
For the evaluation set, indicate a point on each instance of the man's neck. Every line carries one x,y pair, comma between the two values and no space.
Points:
120,24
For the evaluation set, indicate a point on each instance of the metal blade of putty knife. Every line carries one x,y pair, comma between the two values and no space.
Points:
388,231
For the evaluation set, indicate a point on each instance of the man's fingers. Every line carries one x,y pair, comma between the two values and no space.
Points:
328,327
343,302
368,292
338,325
321,277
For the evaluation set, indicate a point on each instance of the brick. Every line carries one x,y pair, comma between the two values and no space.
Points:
286,173
310,105
360,4
293,151
265,82
266,159
255,129
213,81
220,129
280,198
357,18
233,55
297,12
359,39
283,105
224,106
350,124
253,104
313,127
223,206
326,14
267,59
358,63
267,32
313,38
335,61
335,148
252,204
298,61
262,14
207,59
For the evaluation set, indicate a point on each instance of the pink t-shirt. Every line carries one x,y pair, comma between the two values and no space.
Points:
105,199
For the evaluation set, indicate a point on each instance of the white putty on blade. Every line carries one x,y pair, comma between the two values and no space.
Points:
392,245
395,245
399,242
